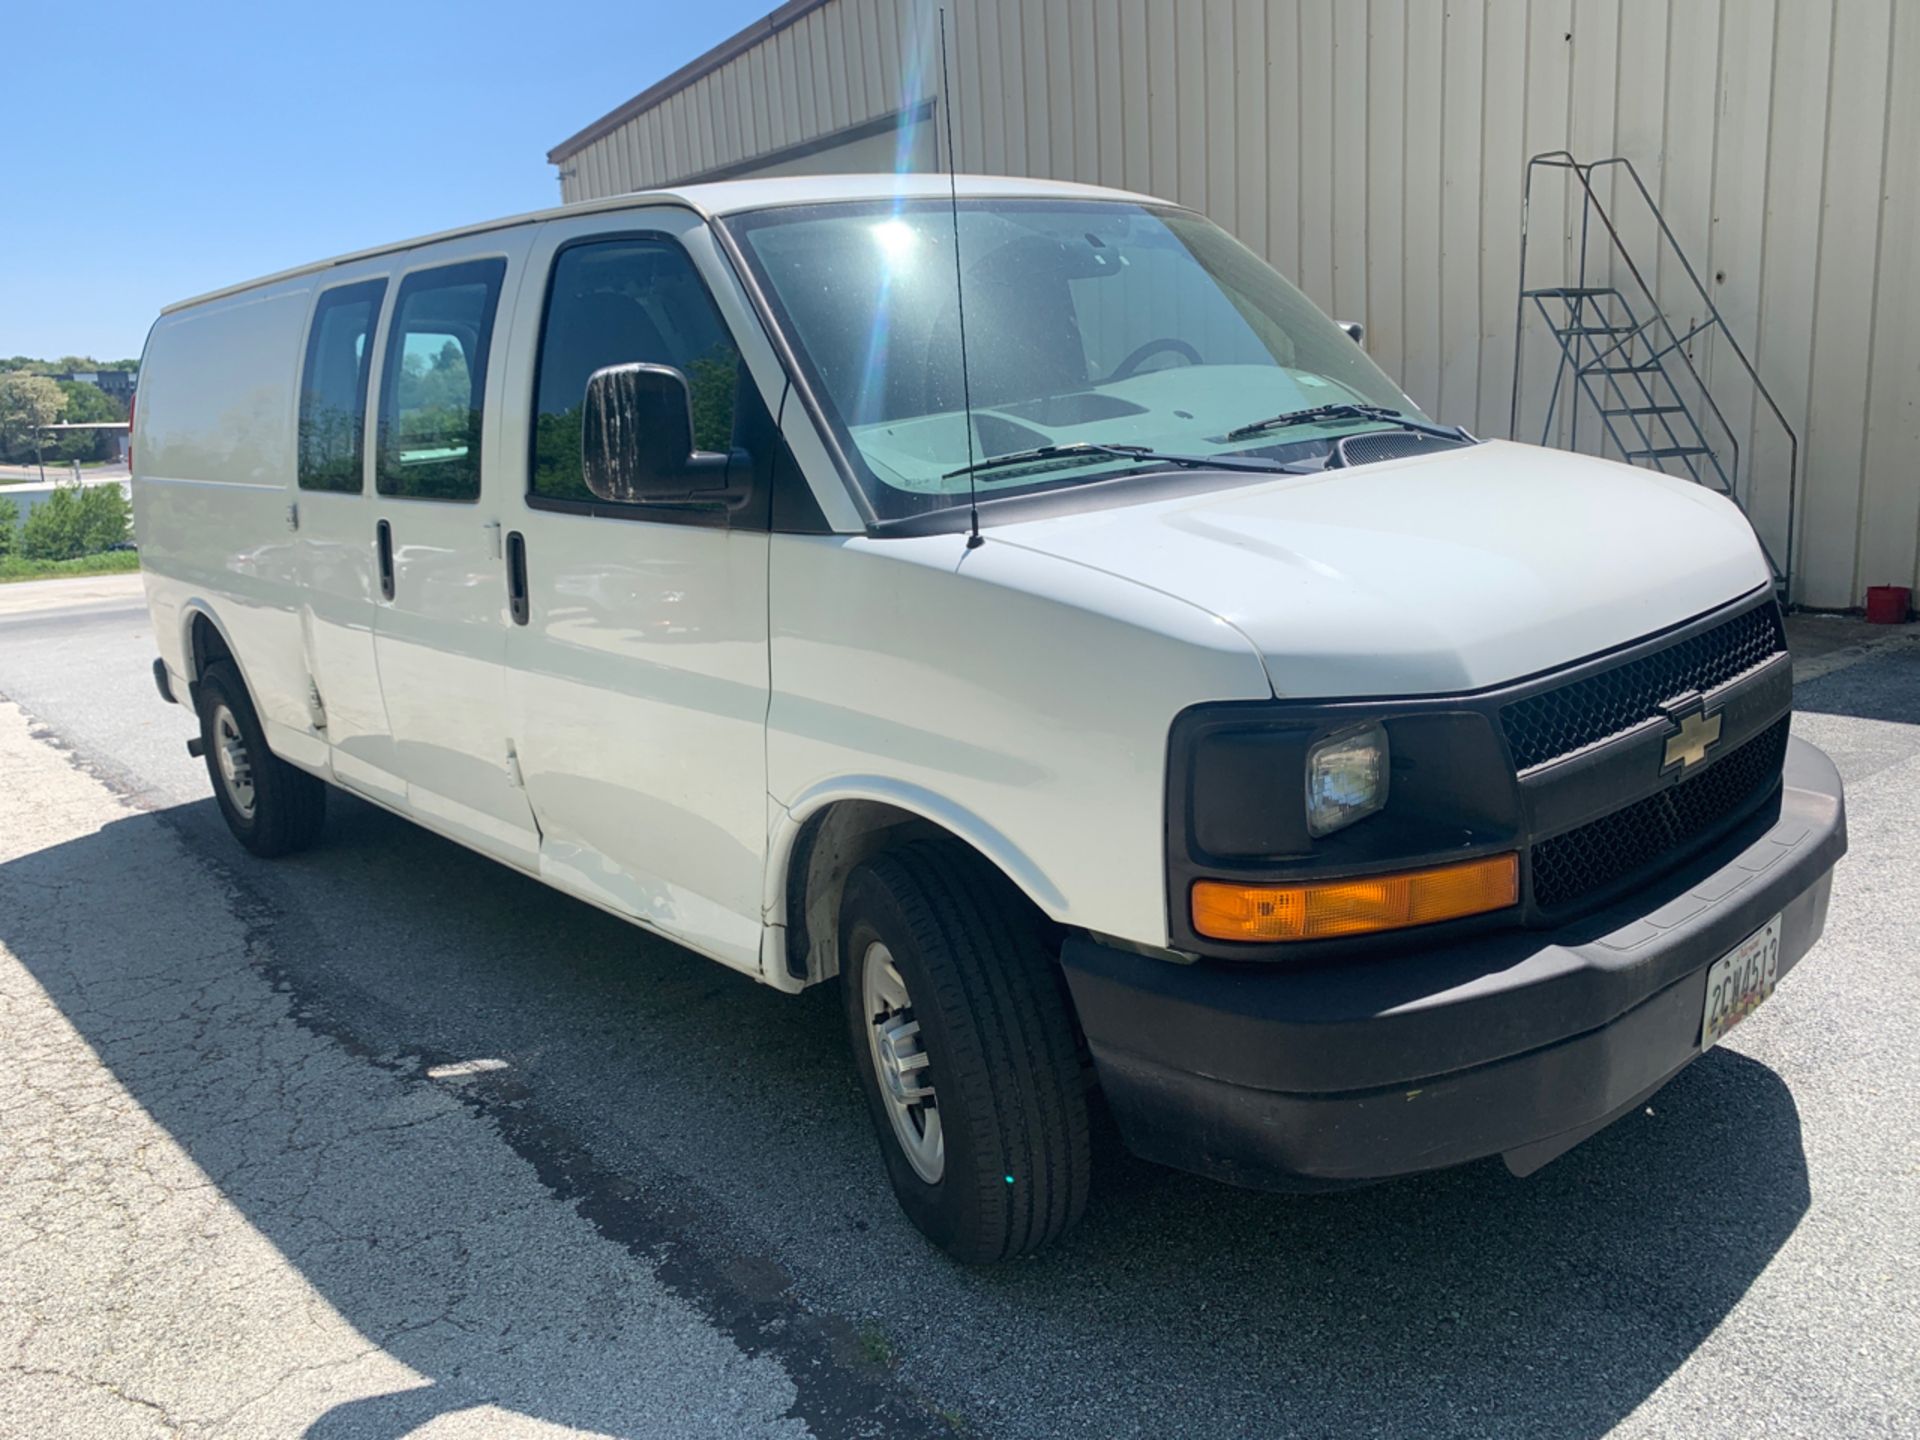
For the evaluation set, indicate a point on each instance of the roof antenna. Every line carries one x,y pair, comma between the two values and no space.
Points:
974,538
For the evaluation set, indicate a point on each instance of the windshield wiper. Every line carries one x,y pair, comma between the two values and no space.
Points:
1347,410
1132,454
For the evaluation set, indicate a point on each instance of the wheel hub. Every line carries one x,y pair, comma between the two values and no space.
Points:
230,755
901,1064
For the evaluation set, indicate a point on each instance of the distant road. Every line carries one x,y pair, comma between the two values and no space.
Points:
12,473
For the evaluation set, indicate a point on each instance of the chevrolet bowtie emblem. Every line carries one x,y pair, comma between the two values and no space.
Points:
1687,747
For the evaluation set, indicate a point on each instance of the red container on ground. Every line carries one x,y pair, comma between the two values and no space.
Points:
1888,604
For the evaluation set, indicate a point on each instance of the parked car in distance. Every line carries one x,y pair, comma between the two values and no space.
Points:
1140,695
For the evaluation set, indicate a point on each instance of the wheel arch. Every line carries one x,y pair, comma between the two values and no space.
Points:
817,843
203,640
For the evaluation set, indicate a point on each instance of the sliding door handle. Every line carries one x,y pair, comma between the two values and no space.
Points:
383,543
517,577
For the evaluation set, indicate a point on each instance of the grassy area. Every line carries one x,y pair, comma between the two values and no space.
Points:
114,562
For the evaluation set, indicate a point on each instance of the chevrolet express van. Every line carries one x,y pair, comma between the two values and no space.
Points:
1027,609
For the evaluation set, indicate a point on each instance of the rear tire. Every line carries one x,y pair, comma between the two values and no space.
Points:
987,1028
271,807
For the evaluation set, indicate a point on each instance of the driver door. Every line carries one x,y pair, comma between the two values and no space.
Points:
639,667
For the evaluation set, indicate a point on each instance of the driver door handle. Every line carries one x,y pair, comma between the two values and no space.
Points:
383,543
517,578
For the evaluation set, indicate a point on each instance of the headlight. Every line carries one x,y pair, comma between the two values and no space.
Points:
1346,777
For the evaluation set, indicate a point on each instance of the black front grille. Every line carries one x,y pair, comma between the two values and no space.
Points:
1558,722
1663,826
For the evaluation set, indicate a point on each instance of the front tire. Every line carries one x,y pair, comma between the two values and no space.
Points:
963,1036
271,807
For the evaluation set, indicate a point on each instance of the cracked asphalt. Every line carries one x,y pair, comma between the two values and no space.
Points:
386,1140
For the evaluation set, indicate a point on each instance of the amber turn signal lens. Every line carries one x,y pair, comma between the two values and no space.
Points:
1329,909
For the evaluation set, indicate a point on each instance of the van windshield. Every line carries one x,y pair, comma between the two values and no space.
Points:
1097,323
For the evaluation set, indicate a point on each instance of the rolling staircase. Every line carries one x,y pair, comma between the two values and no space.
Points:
1621,363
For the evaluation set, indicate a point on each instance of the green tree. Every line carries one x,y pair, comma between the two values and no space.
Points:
26,403
86,402
9,520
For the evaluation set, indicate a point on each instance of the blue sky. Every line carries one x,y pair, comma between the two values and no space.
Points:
159,150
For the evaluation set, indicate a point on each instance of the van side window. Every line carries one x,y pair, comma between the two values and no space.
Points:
433,381
333,386
612,302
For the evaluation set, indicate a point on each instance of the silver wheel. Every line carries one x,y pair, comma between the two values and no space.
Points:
230,751
900,1063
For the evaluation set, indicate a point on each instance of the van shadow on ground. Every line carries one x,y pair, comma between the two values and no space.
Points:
712,1128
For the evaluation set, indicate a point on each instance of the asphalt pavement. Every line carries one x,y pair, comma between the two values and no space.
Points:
386,1139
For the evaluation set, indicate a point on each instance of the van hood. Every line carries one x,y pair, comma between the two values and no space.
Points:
1435,574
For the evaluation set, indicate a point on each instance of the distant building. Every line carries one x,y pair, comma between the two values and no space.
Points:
117,383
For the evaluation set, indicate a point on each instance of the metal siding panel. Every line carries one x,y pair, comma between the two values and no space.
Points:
1732,264
1792,229
1116,101
1503,127
1843,304
1420,370
1250,122
1386,180
1218,103
1890,496
1349,215
787,127
856,70
1013,87
1085,28
997,131
968,45
1163,102
1190,86
1688,132
1037,88
809,119
1283,125
1460,212
897,51
1316,151
1549,91
1639,123
829,91
1137,89
1063,76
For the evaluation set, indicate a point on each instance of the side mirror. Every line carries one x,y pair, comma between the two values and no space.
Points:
636,439
1356,332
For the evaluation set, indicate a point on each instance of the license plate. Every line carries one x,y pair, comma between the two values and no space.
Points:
1738,982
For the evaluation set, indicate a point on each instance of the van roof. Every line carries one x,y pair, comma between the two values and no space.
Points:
724,197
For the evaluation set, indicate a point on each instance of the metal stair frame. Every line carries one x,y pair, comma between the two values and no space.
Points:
1583,358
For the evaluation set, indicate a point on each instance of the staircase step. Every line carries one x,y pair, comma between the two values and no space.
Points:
1646,369
1595,329
1570,292
1647,410
1670,452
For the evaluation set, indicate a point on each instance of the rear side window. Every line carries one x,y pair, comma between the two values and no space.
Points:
333,386
434,380
612,302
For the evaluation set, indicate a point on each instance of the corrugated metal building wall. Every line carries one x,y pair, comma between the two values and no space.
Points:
1373,151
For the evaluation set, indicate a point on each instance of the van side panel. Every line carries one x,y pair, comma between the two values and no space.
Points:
214,463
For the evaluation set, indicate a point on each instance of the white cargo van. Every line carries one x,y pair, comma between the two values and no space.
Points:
1127,691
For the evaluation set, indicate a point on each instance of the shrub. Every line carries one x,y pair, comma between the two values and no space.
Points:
108,517
76,520
9,520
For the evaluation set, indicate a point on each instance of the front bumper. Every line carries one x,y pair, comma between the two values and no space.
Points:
1516,1043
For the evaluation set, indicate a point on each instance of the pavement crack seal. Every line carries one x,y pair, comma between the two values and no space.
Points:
839,1389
